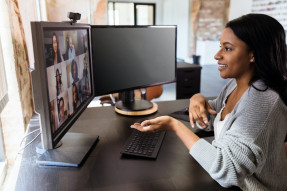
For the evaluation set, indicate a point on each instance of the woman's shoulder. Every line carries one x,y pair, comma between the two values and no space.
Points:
260,91
259,95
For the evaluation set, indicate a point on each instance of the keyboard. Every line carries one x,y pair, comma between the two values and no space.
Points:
143,144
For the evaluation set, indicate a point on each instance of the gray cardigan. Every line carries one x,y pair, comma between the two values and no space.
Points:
249,152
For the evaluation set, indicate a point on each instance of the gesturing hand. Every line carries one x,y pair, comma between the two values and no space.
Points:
198,107
163,123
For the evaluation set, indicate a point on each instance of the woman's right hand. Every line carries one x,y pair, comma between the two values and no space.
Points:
198,107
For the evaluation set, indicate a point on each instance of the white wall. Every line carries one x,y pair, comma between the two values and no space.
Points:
177,13
207,49
239,8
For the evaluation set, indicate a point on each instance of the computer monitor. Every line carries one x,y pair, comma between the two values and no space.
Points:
62,87
131,57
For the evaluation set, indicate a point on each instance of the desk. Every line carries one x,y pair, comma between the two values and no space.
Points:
106,170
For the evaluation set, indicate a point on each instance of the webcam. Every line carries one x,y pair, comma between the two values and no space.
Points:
74,17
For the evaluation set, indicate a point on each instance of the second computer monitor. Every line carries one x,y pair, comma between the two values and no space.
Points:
132,57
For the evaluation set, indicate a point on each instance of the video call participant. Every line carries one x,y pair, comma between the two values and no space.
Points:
86,92
249,117
59,84
56,54
71,50
85,70
61,110
76,100
82,43
53,116
74,71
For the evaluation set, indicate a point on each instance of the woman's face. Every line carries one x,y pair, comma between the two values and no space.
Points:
55,45
234,57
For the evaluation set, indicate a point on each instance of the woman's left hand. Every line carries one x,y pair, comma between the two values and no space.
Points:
163,123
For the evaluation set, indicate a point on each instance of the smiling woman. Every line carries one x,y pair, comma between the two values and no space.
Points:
237,62
249,117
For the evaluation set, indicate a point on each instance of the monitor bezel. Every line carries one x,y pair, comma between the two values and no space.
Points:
146,85
49,138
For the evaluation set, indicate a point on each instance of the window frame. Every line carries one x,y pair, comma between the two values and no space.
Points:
135,11
148,4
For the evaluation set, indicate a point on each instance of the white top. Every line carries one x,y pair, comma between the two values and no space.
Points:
218,125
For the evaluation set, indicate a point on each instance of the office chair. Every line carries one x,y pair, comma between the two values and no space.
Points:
148,93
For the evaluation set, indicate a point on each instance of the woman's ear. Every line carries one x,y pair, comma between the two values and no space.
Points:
252,59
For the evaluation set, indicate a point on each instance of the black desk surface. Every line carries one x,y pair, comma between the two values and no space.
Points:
105,168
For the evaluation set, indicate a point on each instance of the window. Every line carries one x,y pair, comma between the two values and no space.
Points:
120,13
3,102
144,14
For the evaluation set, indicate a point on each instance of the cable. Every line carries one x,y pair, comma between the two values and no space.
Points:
28,143
27,135
113,99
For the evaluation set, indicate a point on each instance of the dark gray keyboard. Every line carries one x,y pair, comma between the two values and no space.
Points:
143,144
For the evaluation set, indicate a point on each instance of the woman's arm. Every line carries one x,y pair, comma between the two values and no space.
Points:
166,123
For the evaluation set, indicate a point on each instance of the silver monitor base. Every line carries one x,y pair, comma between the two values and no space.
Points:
74,149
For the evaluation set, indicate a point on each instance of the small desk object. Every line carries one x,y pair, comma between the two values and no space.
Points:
105,169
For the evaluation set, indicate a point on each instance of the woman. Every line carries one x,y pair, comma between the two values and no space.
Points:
249,117
61,110
71,50
75,97
74,71
59,84
86,88
85,70
56,54
82,43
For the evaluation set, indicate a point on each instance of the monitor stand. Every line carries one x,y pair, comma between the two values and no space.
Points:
73,150
128,105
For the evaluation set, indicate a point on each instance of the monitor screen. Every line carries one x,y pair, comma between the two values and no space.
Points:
131,57
63,76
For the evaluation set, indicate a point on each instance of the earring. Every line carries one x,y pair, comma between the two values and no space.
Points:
252,59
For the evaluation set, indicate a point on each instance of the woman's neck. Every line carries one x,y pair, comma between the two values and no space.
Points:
242,85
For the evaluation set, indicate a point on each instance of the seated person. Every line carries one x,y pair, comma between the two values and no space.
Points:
249,117
71,50
56,56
